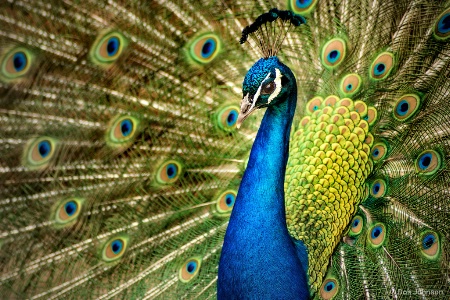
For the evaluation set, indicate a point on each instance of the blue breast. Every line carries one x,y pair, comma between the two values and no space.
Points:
259,259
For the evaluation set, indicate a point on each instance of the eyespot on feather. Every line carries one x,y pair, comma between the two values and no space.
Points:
430,245
356,226
329,288
227,117
204,48
15,64
333,53
115,248
441,29
428,162
382,66
313,105
302,7
406,106
190,269
68,210
169,172
378,152
122,131
39,152
107,48
350,85
377,235
378,188
225,202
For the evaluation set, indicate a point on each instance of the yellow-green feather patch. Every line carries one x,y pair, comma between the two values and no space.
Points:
328,165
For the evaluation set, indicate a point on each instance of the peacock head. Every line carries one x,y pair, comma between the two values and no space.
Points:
267,83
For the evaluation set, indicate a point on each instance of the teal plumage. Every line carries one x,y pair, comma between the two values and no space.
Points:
120,158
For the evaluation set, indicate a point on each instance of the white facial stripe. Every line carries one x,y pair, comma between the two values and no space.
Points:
259,89
277,85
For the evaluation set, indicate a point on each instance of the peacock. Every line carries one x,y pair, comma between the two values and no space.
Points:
124,174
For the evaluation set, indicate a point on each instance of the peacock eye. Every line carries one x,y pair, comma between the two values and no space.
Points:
114,248
268,88
68,211
190,269
225,202
107,48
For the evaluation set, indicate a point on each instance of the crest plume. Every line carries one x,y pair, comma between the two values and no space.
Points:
269,30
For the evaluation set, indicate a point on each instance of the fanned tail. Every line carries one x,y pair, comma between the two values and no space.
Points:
120,161
395,57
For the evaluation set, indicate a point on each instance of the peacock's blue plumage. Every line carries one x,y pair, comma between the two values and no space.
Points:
257,244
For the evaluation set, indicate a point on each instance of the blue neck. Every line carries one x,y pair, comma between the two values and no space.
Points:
259,258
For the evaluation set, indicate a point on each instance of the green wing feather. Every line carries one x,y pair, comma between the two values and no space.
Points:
120,160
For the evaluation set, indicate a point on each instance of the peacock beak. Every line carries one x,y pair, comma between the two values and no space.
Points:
247,107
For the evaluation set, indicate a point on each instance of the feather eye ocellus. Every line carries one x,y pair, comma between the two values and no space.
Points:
382,66
406,106
377,235
430,245
372,115
378,188
107,48
204,48
39,152
379,151
428,162
169,171
225,202
122,131
313,105
68,210
356,226
226,118
442,25
114,248
330,100
15,64
189,269
350,84
329,288
333,53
